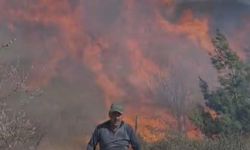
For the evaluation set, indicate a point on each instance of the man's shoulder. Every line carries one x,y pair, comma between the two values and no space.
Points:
128,128
126,125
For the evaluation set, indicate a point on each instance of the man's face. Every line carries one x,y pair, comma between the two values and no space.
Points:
115,118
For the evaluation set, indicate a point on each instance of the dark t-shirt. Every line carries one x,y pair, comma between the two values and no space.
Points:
110,140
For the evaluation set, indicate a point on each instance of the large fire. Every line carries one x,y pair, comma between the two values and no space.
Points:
151,124
117,50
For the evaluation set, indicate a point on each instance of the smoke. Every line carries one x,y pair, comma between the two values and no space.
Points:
234,1
245,1
87,54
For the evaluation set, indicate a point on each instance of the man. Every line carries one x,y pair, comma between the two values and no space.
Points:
114,134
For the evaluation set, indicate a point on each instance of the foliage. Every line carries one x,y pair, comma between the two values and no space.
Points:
231,100
17,131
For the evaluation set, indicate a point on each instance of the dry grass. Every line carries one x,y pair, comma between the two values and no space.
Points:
181,143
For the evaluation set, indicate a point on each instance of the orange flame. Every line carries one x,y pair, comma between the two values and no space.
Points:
153,122
195,29
143,69
92,59
211,112
133,31
54,14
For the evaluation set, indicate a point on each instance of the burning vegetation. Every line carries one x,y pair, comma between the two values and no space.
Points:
145,54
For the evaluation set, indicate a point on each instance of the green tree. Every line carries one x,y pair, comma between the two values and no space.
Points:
231,100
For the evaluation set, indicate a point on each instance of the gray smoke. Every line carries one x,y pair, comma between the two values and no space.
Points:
72,102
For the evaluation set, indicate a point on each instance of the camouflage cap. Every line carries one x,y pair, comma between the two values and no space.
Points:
116,108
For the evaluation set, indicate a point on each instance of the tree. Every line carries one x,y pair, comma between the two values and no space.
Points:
17,131
231,100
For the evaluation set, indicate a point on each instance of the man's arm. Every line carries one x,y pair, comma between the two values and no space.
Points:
94,140
133,139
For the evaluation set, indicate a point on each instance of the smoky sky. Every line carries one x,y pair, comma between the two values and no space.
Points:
224,13
232,1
